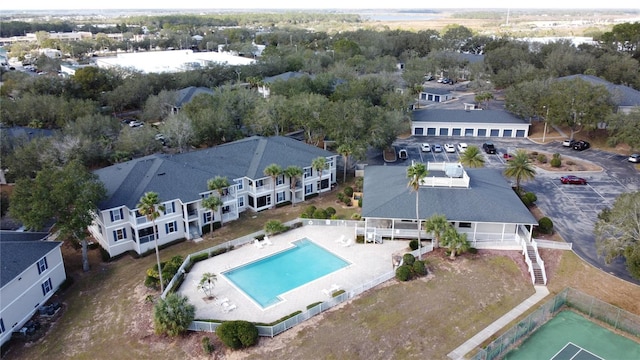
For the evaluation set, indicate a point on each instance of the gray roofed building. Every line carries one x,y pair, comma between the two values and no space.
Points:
435,94
19,251
623,96
489,198
184,96
472,123
284,77
466,116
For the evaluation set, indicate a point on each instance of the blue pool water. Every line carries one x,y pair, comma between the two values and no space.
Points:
264,280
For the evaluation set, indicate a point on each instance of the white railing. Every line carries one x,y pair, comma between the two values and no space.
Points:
548,244
539,261
528,261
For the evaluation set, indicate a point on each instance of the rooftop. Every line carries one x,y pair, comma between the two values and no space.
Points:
466,116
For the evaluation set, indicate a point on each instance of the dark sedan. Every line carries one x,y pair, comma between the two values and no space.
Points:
573,180
581,145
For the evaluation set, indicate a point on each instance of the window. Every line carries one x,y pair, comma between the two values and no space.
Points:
241,201
145,235
482,132
207,217
444,132
100,229
171,227
464,225
431,131
259,183
507,133
456,132
308,189
46,287
495,132
119,234
169,208
117,215
468,132
329,164
239,183
307,172
226,209
280,196
2,329
519,133
280,180
418,131
42,265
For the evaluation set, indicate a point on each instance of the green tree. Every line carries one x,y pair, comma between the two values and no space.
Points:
173,315
456,242
319,164
237,334
212,203
294,173
472,157
219,184
520,168
273,171
345,150
416,173
623,128
617,232
207,282
69,194
150,207
437,224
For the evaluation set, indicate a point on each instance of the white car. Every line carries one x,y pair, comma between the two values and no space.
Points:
136,123
634,158
462,147
449,148
425,147
437,148
568,142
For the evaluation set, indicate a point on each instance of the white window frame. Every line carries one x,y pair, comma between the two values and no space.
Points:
308,189
42,265
280,180
307,173
120,234
169,208
171,227
117,215
46,287
239,183
241,201
281,196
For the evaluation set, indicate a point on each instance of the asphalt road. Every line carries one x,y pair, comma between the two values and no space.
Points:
573,208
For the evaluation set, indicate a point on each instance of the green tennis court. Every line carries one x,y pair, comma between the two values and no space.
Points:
570,336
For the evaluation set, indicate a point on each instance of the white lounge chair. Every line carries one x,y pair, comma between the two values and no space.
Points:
222,301
231,307
267,240
341,239
257,243
347,243
327,292
334,288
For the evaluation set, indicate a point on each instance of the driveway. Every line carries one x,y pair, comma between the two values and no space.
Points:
573,208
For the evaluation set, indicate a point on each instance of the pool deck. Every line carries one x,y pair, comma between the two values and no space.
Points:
368,261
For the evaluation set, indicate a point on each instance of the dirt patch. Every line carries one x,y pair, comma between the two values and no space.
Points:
542,160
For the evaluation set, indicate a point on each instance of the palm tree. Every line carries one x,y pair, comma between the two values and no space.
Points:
212,203
416,173
218,183
207,282
520,168
293,172
345,150
273,171
318,164
436,224
472,157
150,207
456,242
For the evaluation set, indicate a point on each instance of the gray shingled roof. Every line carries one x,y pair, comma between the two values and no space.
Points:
622,95
489,198
187,94
437,91
473,116
284,77
184,176
17,255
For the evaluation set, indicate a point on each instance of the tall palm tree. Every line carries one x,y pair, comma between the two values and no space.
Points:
150,207
520,168
416,173
207,281
212,203
345,150
318,164
436,224
218,183
456,242
472,157
293,172
273,171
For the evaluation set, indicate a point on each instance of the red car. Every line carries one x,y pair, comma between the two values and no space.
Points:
571,179
507,157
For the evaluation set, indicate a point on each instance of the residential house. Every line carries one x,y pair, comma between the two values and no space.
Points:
184,96
472,123
31,270
624,97
436,94
264,88
181,182
478,202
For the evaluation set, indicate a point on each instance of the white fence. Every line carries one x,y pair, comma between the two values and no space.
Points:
547,244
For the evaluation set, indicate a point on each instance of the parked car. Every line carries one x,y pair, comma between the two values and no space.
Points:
634,158
449,148
489,148
574,180
568,142
425,147
429,78
507,156
136,123
403,155
462,147
437,148
581,145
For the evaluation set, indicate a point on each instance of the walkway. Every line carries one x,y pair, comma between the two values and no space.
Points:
479,338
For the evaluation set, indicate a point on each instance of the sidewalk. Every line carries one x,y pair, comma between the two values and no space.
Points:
469,345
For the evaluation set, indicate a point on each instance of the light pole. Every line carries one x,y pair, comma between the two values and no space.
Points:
544,132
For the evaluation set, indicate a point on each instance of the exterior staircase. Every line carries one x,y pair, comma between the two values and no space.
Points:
536,268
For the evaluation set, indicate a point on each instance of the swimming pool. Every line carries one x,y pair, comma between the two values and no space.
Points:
266,279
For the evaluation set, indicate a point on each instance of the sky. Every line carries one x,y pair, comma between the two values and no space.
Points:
324,4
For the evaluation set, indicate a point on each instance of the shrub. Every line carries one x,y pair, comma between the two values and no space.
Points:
207,346
348,191
556,155
309,210
545,225
556,162
320,214
330,211
473,250
237,334
419,268
358,184
403,273
173,315
528,198
408,259
341,197
199,257
274,227
356,216
413,244
542,158
360,202
534,153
